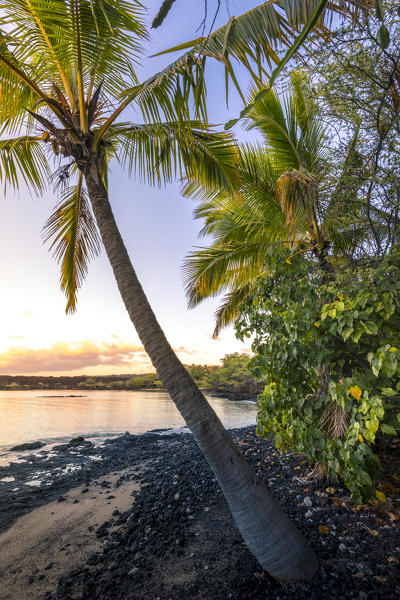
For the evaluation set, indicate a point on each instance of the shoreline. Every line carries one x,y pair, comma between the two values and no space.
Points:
47,474
177,539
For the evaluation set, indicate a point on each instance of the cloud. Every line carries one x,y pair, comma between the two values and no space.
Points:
183,350
71,357
214,339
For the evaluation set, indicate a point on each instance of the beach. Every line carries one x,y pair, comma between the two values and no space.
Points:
55,538
141,516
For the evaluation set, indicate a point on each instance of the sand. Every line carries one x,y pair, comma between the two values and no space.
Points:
57,536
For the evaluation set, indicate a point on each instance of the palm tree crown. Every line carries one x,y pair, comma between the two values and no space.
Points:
283,204
67,71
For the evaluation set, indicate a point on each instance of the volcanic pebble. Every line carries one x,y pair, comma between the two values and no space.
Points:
179,541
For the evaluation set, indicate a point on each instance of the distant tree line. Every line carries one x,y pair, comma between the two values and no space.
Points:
232,379
81,382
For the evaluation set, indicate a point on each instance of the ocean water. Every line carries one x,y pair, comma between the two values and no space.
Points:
46,416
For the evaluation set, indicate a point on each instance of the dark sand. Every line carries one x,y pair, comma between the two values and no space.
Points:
55,538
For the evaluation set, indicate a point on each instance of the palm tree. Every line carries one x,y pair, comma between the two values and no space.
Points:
66,75
286,203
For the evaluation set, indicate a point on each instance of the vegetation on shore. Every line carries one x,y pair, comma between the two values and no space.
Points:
232,379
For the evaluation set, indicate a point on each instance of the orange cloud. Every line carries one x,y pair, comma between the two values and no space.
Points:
183,350
214,339
71,357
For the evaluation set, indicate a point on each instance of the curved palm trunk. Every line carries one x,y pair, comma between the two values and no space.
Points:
266,529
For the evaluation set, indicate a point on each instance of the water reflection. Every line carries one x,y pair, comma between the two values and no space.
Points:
24,416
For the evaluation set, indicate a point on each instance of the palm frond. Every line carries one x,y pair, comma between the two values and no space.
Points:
20,84
304,115
23,158
251,39
66,43
229,310
158,152
295,193
268,116
210,271
312,15
162,13
74,238
272,211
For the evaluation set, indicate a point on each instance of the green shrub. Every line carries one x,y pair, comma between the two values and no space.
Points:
331,356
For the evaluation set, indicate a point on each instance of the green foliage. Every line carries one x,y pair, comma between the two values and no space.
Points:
286,198
200,373
162,13
331,356
233,378
81,382
357,85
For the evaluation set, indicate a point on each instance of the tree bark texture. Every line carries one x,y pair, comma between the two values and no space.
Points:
268,532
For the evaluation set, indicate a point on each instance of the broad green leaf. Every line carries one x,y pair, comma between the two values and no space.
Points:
387,391
364,477
383,37
346,333
372,425
385,428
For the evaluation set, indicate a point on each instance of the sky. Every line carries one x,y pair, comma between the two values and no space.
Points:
36,336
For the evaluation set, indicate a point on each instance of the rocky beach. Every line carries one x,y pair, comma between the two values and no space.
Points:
142,517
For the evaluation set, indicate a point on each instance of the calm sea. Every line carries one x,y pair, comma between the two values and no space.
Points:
36,416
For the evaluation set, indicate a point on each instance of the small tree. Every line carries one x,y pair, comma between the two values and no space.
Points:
332,368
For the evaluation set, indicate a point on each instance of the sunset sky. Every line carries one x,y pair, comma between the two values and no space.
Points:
36,337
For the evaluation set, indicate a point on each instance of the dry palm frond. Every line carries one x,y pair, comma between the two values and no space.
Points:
294,191
318,472
335,420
